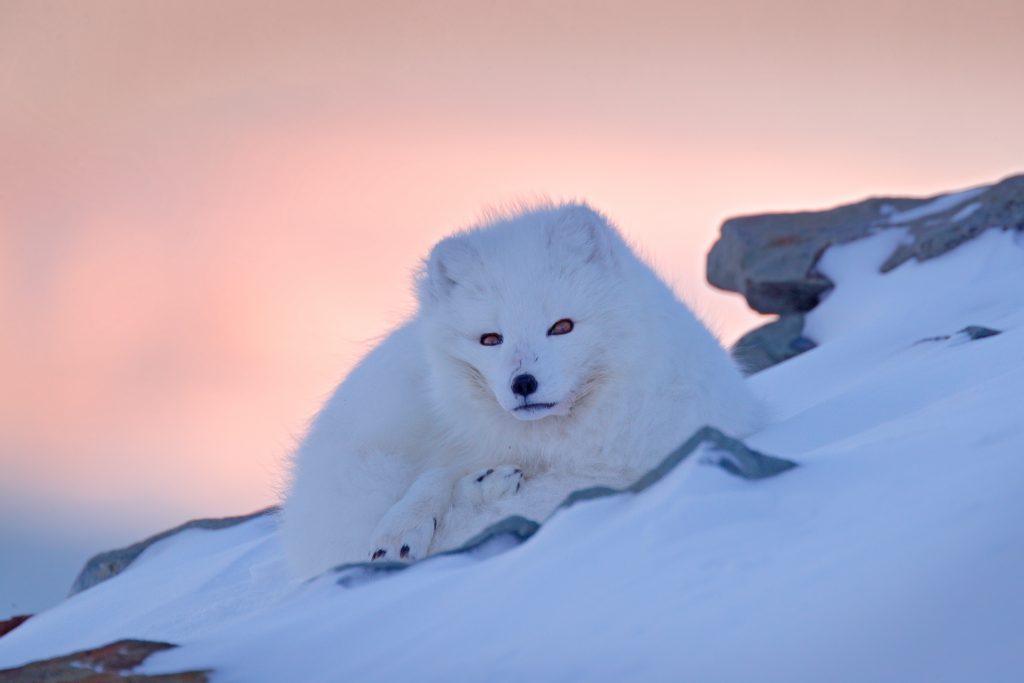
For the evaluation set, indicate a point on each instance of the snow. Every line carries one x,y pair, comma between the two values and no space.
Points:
894,553
938,205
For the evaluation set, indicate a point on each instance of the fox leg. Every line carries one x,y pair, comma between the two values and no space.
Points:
406,530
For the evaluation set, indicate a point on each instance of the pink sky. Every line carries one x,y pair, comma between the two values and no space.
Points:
208,211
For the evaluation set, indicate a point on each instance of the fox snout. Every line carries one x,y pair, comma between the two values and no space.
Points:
524,385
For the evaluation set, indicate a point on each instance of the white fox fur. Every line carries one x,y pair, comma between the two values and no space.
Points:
425,442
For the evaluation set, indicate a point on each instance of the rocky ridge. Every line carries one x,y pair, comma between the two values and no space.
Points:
771,258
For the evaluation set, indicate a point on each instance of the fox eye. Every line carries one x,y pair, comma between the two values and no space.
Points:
563,326
491,339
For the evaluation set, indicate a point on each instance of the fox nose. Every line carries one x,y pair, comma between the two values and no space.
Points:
524,385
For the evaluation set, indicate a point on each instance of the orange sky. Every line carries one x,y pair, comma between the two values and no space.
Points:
209,210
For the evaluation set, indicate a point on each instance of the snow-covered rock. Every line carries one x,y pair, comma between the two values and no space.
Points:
110,563
772,258
892,553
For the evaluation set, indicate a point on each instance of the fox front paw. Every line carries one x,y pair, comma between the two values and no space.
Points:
402,542
490,485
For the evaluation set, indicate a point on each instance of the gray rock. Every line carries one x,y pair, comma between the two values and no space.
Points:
724,451
971,332
771,258
516,527
112,562
773,343
979,332
998,206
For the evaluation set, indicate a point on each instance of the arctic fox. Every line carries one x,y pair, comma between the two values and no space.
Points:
545,356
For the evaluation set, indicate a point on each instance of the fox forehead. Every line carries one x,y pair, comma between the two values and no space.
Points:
526,306
524,255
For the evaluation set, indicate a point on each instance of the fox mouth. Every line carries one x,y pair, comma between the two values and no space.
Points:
528,407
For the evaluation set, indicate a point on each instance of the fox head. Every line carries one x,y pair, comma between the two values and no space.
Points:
524,308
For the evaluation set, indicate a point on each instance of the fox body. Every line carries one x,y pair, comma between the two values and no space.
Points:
545,356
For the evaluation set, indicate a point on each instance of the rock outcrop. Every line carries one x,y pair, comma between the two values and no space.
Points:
8,625
112,562
773,343
770,259
107,664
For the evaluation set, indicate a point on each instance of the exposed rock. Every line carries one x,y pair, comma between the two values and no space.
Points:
105,664
722,450
997,206
969,333
773,343
112,562
770,258
517,527
8,625
979,332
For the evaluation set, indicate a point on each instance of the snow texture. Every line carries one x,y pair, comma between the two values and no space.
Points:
893,553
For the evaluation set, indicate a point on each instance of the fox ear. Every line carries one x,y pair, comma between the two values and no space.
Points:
449,266
582,234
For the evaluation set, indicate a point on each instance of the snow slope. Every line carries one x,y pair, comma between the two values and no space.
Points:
894,553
